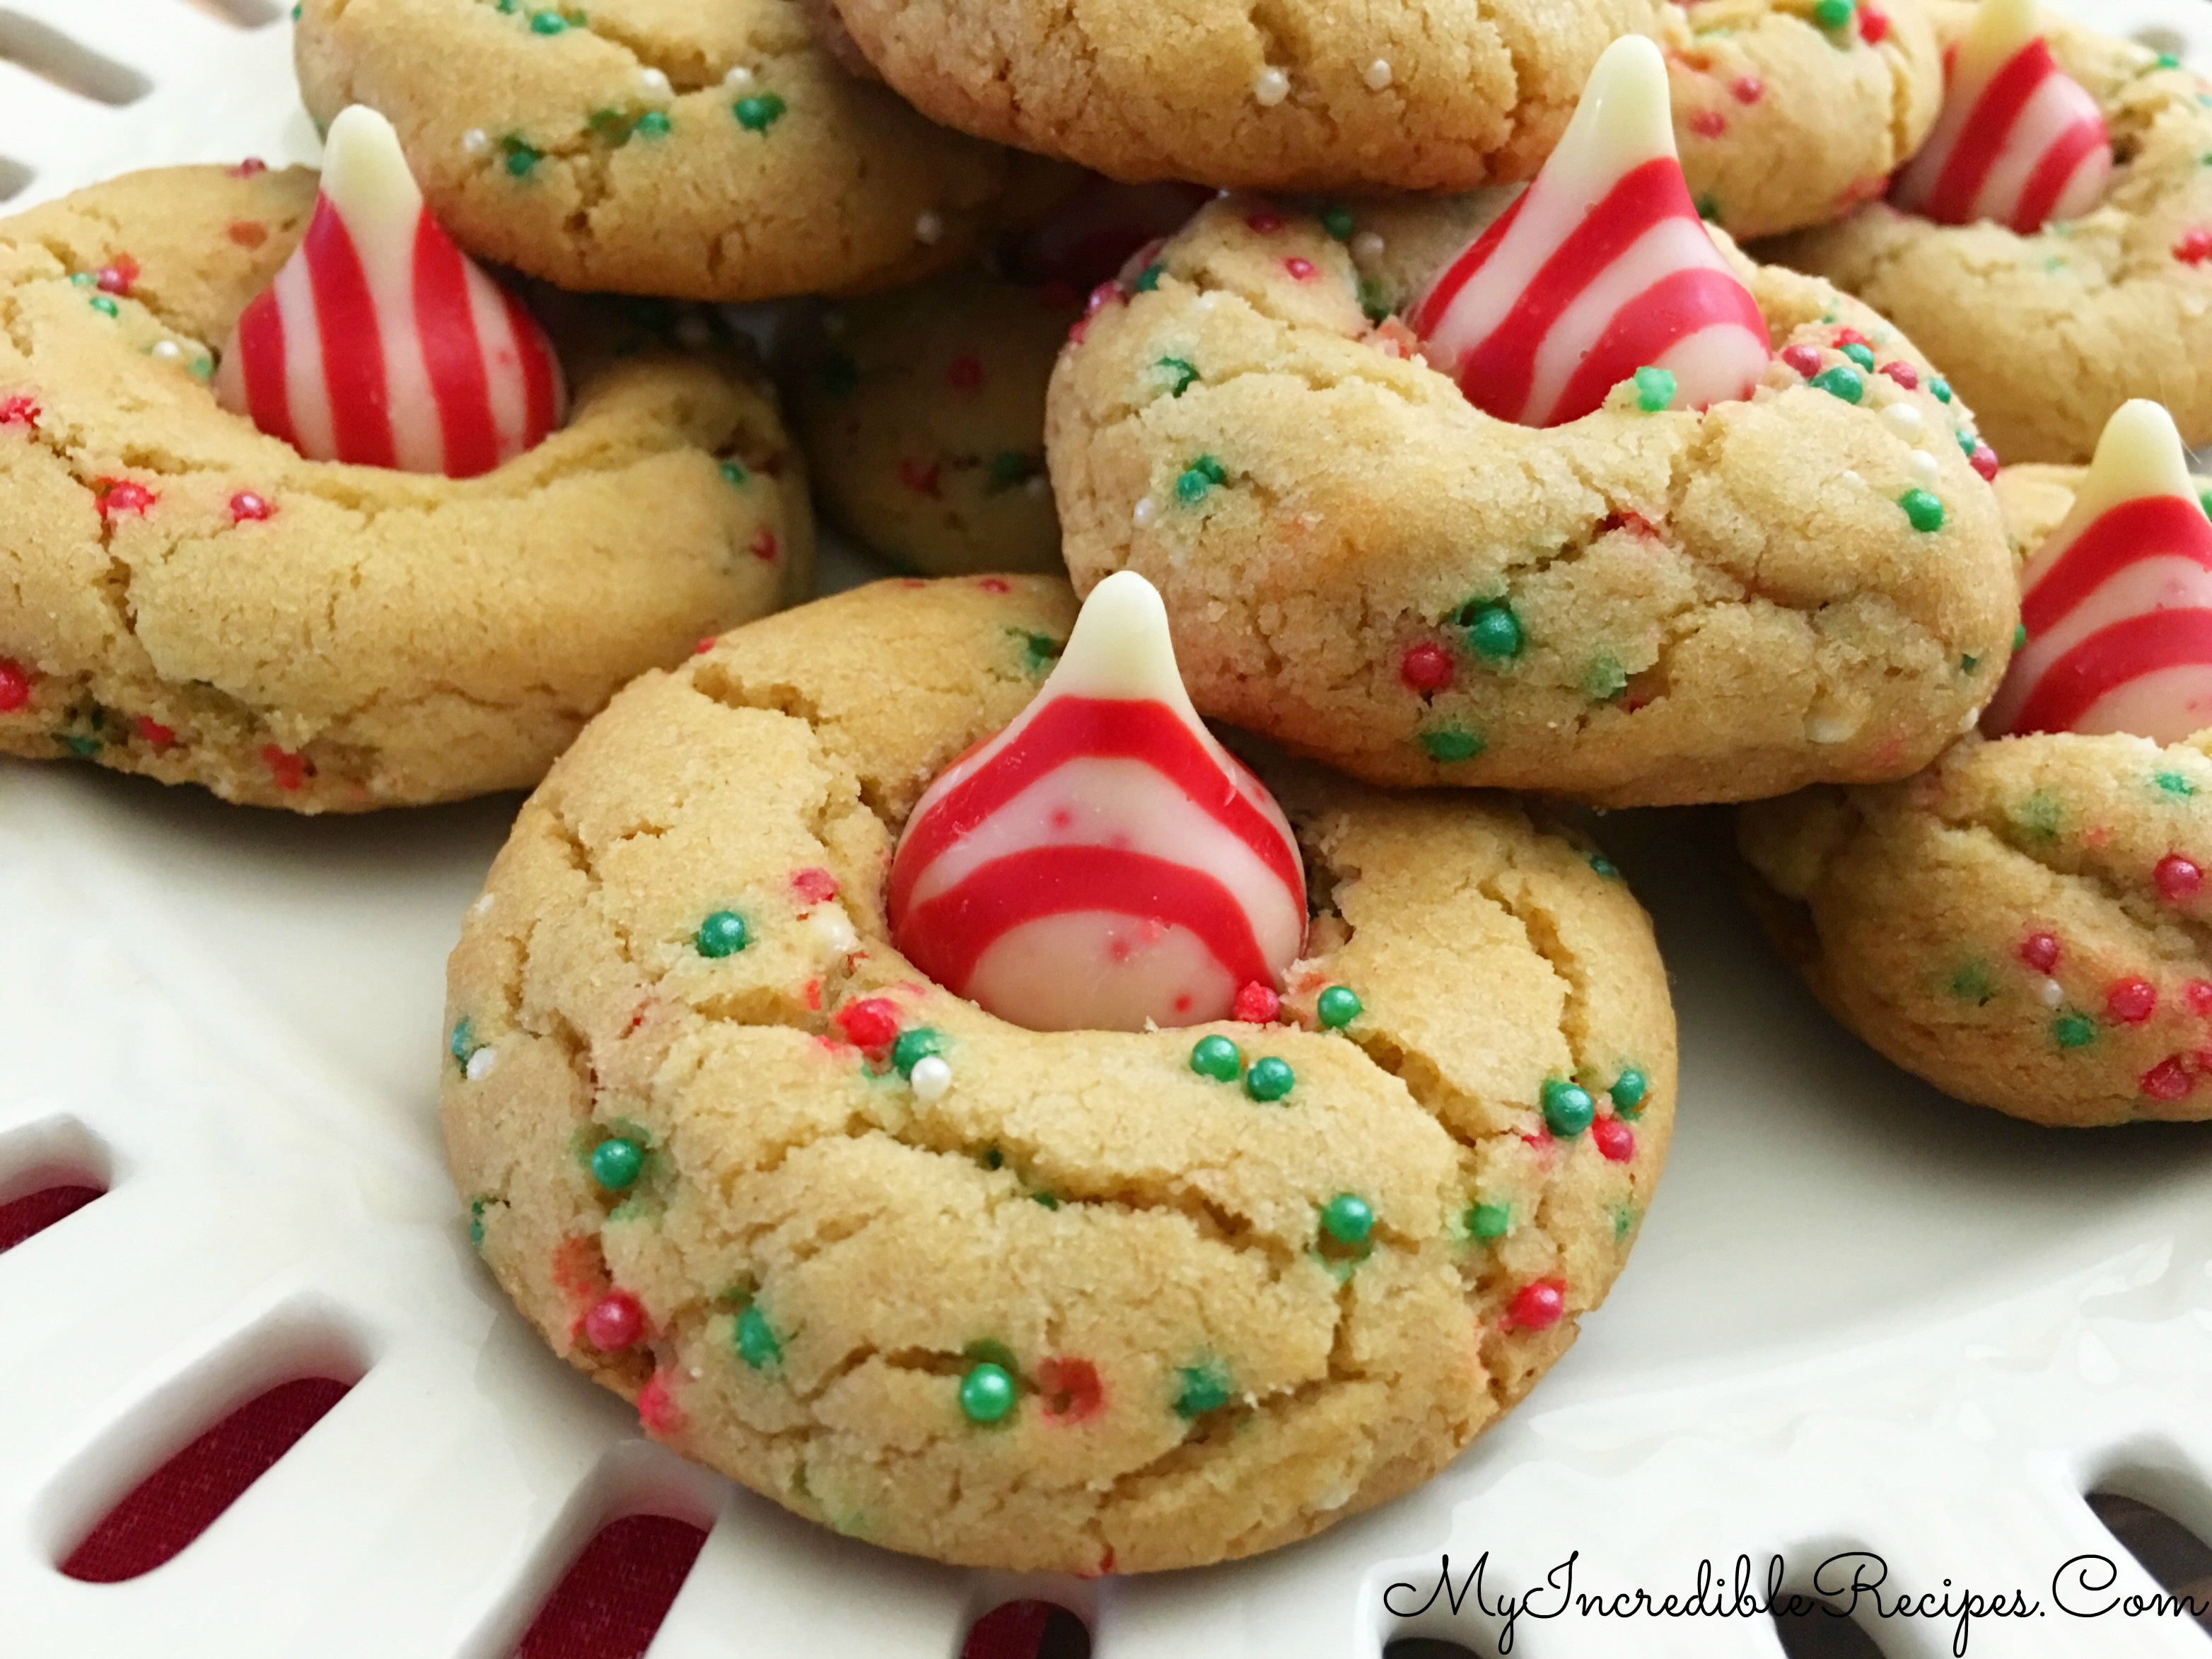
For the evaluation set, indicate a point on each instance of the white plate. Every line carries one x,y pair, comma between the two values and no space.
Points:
1859,1315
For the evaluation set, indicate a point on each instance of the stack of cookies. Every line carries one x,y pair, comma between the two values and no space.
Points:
941,1080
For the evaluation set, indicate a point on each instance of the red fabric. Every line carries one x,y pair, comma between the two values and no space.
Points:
181,1499
1028,1630
40,1211
611,1601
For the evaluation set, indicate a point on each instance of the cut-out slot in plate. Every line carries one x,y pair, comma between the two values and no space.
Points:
1823,1633
1027,1630
239,14
15,179
48,1171
615,1594
69,65
2175,1557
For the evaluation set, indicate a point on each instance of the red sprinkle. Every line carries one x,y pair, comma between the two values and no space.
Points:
1071,1389
1984,461
966,372
814,884
1708,124
1256,1005
871,1022
251,167
920,477
2179,879
1426,668
2130,1001
1850,336
764,545
247,233
117,278
1749,89
2195,247
614,1322
2198,994
995,585
290,771
15,686
2040,951
2169,1079
1873,25
122,495
703,647
1804,359
19,411
1301,269
1536,1307
246,505
1614,1139
153,731
1101,296
1265,222
656,1411
1903,373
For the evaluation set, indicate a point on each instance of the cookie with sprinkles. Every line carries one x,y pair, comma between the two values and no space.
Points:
1080,1301
1394,529
2023,924
711,151
2051,247
185,595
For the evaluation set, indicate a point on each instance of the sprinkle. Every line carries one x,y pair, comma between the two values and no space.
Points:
1201,476
103,306
723,934
1614,1140
1264,221
929,227
1536,1307
1984,460
2195,247
1873,25
871,1022
1568,1108
1070,1390
1301,269
1269,1079
1336,219
1488,1221
1923,510
1922,466
1146,514
755,1339
547,22
1179,373
2039,951
1426,668
480,1063
1204,1388
1708,124
738,78
2179,879
19,411
912,1046
2170,1080
1376,74
1942,388
251,168
475,141
931,1077
1655,390
1338,1006
1347,1218
1270,87
1216,1057
520,157
1833,15
462,1042
1627,1092
761,111
2130,1001
987,1393
2074,1031
246,507
614,1323
1493,630
1749,89
617,1162
2050,993
161,737
2174,784
1841,382
1804,359
1605,867
1367,247
1452,745
287,770
166,351
1904,375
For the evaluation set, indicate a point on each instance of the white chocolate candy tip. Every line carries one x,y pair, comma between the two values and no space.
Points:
2139,454
2000,29
366,175
1121,647
1626,115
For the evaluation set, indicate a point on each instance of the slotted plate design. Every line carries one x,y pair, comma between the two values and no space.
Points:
1860,1316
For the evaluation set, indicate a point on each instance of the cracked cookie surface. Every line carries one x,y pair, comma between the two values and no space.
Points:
819,1251
708,151
1635,609
184,596
2024,924
2046,336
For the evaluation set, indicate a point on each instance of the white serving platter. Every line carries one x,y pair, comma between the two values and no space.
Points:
1859,1315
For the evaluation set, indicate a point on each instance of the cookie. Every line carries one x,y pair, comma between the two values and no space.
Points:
2045,333
184,596
707,152
2024,925
1636,608
1082,1302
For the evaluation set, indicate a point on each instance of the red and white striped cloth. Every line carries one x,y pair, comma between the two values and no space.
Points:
2118,603
2019,142
381,342
1103,862
1601,267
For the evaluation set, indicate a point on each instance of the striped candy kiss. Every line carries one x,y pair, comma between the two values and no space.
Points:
1103,862
1600,267
2019,141
2118,601
381,342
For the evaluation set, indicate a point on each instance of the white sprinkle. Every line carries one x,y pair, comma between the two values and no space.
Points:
698,1371
928,229
1904,419
1037,486
931,1077
1269,88
738,78
2053,994
1924,468
654,81
835,928
692,330
475,141
1367,246
1851,478
1973,718
168,350
1829,727
1147,511
480,1064
1378,75
482,907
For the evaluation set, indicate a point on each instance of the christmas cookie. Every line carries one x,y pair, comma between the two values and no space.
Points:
710,151
2050,247
1571,522
1087,1300
2025,923
432,612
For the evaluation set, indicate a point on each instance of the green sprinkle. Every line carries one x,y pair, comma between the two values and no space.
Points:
1863,355
994,1160
1623,1221
2166,60
103,304
987,1393
1967,442
462,1043
1010,467
1201,476
839,375
1487,1221
1605,867
520,158
1043,651
1942,388
1841,382
1972,983
2204,500
1338,1006
1205,1388
1655,390
2174,784
733,474
755,1340
2074,1030
1374,303
1493,630
1336,220
1180,374
1628,1090
81,279
1047,1199
1708,208
1348,1218
913,1046
201,368
1833,15
1147,280
547,22
722,934
1568,1107
2019,636
653,124
477,1208
612,126
759,111
1968,665
617,1162
2038,815
1604,679
1216,1057
1269,1079
1923,510
1452,745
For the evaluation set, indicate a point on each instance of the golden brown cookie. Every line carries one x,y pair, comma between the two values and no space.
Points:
710,151
184,596
2046,335
738,1162
1635,609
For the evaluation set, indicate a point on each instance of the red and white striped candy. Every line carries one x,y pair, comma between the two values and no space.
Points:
2019,142
1103,862
381,342
2118,601
1601,268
